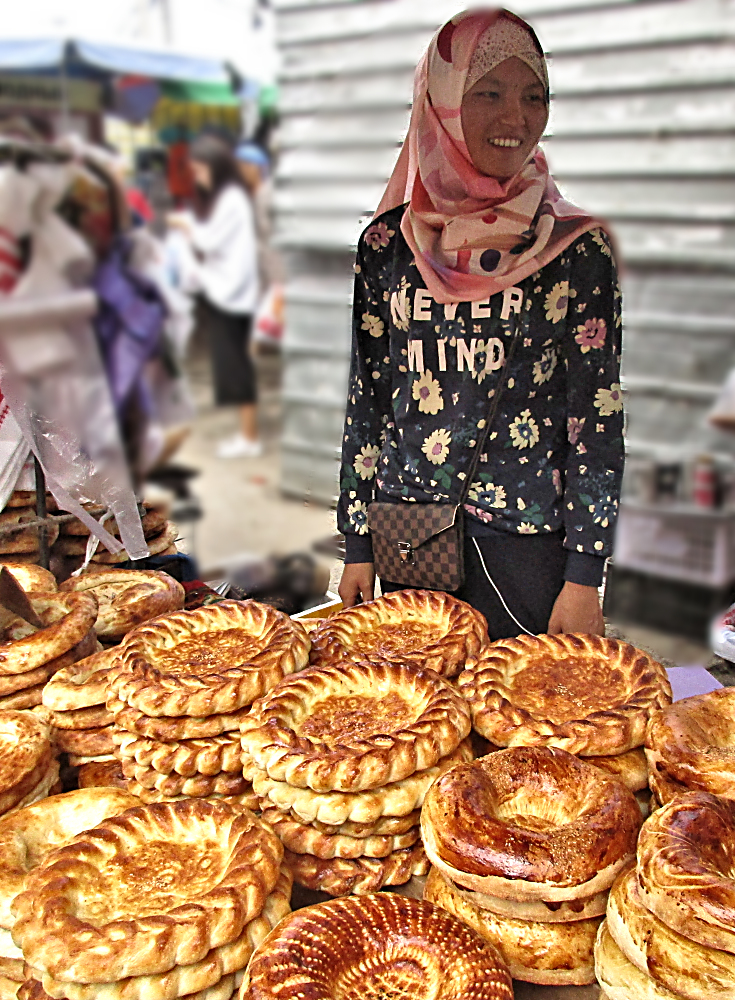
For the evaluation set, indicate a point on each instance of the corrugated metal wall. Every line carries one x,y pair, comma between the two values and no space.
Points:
642,132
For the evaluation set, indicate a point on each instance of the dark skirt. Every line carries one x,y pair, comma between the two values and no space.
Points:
528,570
229,344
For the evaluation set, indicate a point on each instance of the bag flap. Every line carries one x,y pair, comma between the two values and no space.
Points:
415,523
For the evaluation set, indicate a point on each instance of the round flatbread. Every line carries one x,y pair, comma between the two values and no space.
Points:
216,659
302,838
169,728
25,756
101,774
355,726
422,628
583,693
90,742
185,757
127,598
33,578
152,522
156,546
27,835
199,785
67,620
80,685
220,865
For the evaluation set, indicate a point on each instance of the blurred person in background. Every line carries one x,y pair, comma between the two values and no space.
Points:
224,272
471,241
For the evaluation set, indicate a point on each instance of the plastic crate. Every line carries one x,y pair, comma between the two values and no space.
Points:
679,543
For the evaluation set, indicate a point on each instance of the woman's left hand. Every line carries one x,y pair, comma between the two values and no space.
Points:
577,609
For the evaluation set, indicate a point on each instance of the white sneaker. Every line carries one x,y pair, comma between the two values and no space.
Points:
238,446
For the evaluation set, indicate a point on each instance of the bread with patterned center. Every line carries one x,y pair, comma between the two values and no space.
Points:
215,659
354,726
365,948
185,980
303,838
155,887
530,823
26,754
396,799
27,835
184,757
586,694
425,628
67,620
693,741
548,954
127,598
676,962
685,874
619,978
32,578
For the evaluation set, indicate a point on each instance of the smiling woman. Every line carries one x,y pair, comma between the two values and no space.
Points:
486,351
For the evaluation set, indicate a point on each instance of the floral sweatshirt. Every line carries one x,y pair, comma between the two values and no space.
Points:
422,377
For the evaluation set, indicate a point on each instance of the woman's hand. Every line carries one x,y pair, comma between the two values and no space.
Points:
577,609
358,583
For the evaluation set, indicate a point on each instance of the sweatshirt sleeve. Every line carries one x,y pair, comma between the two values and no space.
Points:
595,420
368,400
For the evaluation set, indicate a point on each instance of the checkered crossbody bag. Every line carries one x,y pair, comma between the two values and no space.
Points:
422,544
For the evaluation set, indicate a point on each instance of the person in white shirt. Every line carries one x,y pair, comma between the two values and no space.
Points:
225,274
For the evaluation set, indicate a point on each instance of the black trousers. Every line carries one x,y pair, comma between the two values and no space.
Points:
528,570
229,344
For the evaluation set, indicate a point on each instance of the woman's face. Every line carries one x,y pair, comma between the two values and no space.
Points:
202,174
503,117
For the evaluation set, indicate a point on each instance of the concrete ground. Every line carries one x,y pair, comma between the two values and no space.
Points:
245,515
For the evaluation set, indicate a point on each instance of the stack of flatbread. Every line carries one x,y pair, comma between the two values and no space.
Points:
165,901
74,704
342,757
127,598
585,694
26,836
29,770
29,656
22,545
160,534
183,683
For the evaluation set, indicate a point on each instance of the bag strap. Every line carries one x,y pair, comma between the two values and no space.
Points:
492,411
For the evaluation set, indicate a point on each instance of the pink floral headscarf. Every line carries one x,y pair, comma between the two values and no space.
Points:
471,235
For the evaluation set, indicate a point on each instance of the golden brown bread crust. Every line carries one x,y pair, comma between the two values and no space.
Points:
101,774
222,990
81,718
679,964
150,796
586,694
13,968
46,782
386,826
664,787
215,659
152,520
553,954
186,757
68,619
302,838
128,598
422,628
530,823
631,768
358,876
332,951
168,729
156,546
82,684
536,910
32,577
188,979
27,835
685,876
197,786
29,698
12,683
354,726
619,978
87,742
25,755
9,988
25,540
693,740
335,808
169,882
